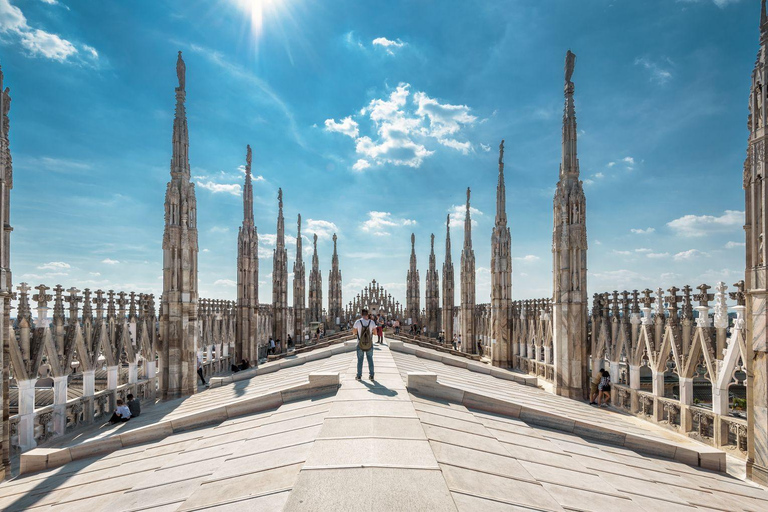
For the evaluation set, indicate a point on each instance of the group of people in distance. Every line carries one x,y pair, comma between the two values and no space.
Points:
600,389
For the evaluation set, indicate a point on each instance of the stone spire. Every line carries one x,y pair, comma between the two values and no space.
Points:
299,289
246,340
178,316
315,288
756,271
6,281
280,280
569,251
501,276
413,293
335,312
433,294
448,285
468,327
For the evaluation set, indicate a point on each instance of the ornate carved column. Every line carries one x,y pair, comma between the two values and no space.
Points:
756,270
569,253
448,285
6,280
280,280
501,276
178,315
412,287
468,324
299,289
433,294
315,287
334,289
246,342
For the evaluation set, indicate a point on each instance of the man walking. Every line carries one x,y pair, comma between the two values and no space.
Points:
364,327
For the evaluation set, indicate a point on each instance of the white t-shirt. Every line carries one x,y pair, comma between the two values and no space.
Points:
123,411
360,324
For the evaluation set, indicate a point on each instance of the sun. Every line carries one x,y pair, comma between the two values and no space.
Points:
256,10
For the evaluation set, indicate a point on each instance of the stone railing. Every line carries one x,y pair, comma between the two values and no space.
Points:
97,330
78,412
532,338
674,364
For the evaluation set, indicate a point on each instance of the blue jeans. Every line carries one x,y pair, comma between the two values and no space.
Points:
369,355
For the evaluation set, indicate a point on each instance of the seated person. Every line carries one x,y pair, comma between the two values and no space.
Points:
245,365
134,406
122,413
234,368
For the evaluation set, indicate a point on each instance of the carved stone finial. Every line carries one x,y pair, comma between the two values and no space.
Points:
181,72
501,154
413,241
570,64
248,156
280,198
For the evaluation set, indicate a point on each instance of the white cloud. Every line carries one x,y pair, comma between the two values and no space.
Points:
459,212
646,231
225,282
219,229
54,265
324,229
658,74
402,128
643,249
347,126
388,45
485,147
361,165
657,255
37,42
96,274
688,255
621,253
444,119
702,225
379,223
733,245
528,258
230,188
109,261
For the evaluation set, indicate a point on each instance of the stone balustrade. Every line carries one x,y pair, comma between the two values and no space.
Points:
674,363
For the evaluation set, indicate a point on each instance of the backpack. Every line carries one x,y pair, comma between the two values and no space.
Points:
364,339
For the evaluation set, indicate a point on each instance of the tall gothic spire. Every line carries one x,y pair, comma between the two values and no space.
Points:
178,319
570,162
468,323
501,192
180,158
468,226
412,287
280,279
315,287
246,340
569,259
299,288
335,310
433,293
448,284
248,191
501,276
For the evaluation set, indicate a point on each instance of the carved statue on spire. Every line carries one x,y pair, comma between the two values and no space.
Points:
280,197
248,159
181,72
501,153
570,63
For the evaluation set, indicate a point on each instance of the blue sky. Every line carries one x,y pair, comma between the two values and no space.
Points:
374,118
